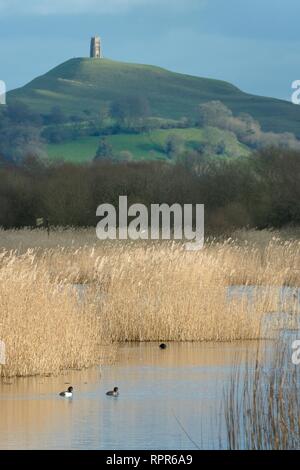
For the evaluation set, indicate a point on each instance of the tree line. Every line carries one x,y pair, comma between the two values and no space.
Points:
259,191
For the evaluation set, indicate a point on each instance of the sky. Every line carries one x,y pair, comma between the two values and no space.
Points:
254,44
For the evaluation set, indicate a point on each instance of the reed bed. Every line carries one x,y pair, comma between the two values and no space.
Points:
63,298
44,327
261,403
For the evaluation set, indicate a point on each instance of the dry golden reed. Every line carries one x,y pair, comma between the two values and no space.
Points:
63,297
44,327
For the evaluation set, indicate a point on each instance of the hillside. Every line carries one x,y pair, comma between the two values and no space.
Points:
83,84
150,145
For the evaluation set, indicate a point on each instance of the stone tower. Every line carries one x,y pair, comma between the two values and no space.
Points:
96,49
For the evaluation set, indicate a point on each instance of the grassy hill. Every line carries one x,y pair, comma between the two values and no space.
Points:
147,145
84,84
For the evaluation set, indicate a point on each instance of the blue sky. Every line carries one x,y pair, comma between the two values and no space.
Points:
254,44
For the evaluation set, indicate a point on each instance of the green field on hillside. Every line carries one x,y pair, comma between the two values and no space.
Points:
146,146
84,85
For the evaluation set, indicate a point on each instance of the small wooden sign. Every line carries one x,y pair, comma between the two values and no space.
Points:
39,222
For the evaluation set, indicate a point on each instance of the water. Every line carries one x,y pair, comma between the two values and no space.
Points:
287,314
286,295
186,381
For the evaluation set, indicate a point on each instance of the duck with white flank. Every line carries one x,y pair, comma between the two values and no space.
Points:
113,393
68,393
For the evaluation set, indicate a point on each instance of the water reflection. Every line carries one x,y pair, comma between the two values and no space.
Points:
186,380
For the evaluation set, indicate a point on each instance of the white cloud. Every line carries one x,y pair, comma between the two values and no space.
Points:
71,7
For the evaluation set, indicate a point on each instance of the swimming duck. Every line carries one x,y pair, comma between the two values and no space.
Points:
113,393
68,393
163,346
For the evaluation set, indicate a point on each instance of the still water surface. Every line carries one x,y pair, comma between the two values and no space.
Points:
186,382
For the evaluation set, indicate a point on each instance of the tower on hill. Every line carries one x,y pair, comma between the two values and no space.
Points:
96,48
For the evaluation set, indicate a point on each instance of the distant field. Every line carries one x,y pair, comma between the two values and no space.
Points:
147,146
